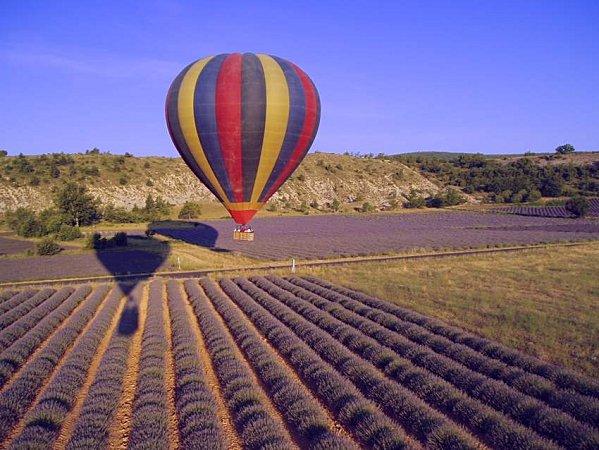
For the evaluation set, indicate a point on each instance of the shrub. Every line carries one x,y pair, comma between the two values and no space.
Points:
533,195
123,180
190,210
367,207
47,247
149,183
564,149
68,233
578,206
414,200
450,197
335,205
3,153
314,204
92,171
551,187
518,197
95,241
121,215
52,220
24,222
301,177
120,239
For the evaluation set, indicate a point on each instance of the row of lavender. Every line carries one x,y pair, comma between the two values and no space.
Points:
291,356
549,211
449,376
27,364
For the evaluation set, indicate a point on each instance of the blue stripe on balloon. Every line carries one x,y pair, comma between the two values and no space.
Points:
295,123
204,105
174,128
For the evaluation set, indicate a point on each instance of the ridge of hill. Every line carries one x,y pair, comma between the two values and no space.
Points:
126,180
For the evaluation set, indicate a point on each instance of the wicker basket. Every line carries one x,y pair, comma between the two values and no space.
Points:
243,235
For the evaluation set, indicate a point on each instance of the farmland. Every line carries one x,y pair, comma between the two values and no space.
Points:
549,211
329,236
209,244
269,361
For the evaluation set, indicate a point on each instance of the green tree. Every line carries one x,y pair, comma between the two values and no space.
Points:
565,149
578,206
76,204
3,153
190,210
68,233
24,222
414,200
551,187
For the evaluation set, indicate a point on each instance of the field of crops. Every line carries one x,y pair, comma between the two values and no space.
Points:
549,211
268,362
10,246
329,236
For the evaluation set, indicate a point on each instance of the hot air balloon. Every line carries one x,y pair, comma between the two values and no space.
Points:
242,123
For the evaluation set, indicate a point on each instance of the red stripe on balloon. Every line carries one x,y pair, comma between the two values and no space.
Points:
307,134
228,118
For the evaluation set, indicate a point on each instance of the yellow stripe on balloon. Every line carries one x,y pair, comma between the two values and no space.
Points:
243,206
275,127
188,123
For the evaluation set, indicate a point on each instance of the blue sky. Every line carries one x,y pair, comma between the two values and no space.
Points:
488,76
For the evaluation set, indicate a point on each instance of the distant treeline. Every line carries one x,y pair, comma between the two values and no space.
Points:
516,181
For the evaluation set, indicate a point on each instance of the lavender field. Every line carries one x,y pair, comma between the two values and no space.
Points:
10,246
84,265
269,362
330,236
549,211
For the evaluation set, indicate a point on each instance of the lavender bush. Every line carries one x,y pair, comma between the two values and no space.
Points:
359,415
303,414
150,422
529,412
255,425
21,304
38,325
196,406
18,396
583,408
563,378
411,412
93,424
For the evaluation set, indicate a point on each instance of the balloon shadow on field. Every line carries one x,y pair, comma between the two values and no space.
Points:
131,259
195,233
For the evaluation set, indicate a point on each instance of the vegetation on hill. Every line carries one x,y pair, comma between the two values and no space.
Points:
517,180
74,207
333,182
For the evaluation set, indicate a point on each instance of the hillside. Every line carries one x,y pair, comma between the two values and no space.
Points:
127,180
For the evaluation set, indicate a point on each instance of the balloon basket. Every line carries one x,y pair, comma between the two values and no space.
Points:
243,235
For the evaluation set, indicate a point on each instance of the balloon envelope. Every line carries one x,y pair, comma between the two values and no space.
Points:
242,123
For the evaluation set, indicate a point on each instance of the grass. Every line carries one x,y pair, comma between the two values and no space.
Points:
541,301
